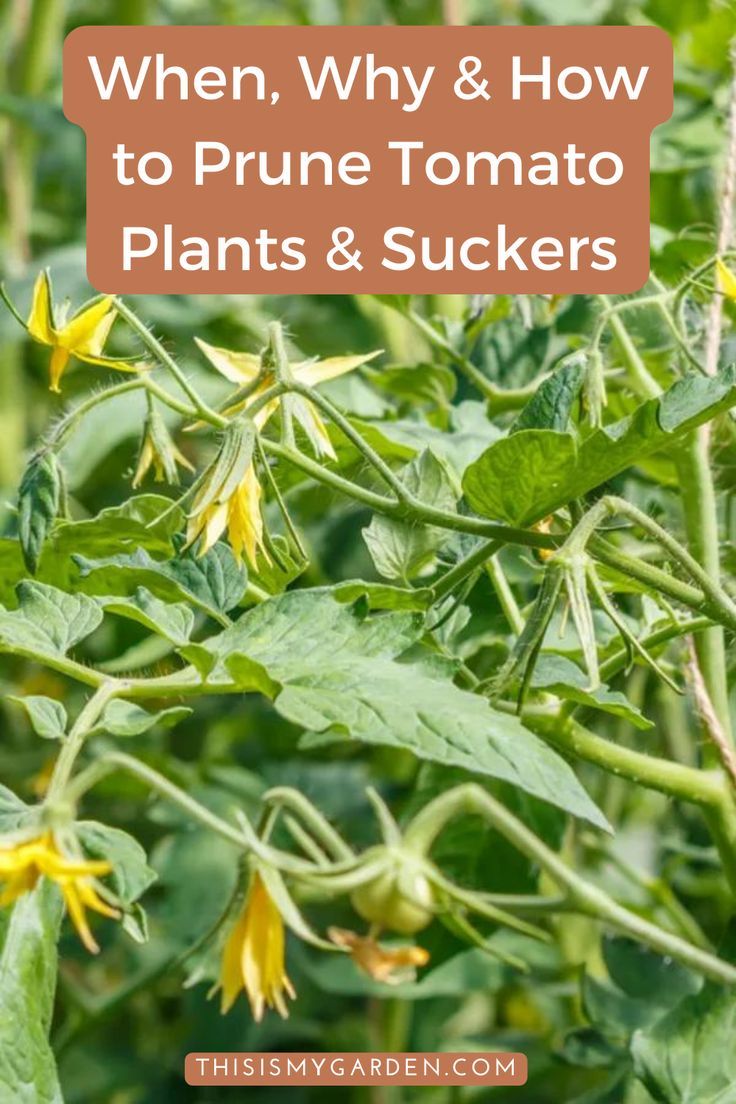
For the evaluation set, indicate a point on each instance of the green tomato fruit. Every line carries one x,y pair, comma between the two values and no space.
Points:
405,910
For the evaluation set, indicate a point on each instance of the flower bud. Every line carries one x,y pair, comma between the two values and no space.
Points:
158,451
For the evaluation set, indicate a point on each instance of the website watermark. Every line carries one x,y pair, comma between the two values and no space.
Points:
355,1068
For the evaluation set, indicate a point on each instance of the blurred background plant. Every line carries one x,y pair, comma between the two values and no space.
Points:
123,1022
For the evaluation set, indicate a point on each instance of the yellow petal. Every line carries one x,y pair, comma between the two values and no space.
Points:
726,280
315,429
96,342
87,331
215,526
262,957
75,908
17,884
244,519
265,413
145,459
231,977
56,866
41,318
240,368
89,897
253,957
319,371
209,524
13,859
57,365
181,459
110,362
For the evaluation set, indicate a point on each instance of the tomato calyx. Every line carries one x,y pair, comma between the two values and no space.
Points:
400,896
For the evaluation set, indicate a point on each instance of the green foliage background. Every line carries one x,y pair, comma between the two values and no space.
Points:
123,1022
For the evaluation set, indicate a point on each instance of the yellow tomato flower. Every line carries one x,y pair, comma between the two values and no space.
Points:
159,452
22,864
83,337
391,965
726,280
245,368
230,498
253,958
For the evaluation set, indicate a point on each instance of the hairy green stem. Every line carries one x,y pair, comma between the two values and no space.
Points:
715,597
74,742
412,510
119,761
640,378
654,578
471,799
710,790
648,574
159,352
673,779
289,798
499,399
376,461
505,595
701,525
619,660
456,575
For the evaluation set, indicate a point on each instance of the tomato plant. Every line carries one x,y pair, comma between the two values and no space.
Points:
374,648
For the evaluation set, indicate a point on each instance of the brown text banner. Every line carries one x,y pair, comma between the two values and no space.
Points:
368,159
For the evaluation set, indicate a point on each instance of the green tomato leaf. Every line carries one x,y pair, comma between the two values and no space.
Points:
47,716
138,523
532,473
399,549
14,813
382,596
414,384
215,582
198,872
644,975
274,576
517,473
561,676
48,620
552,404
470,434
145,521
680,407
334,672
122,718
400,303
688,1056
381,702
131,875
295,631
643,986
174,621
28,934
38,503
